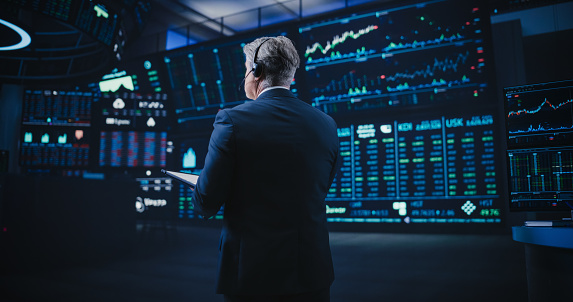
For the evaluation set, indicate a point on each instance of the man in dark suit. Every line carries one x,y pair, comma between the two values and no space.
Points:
271,163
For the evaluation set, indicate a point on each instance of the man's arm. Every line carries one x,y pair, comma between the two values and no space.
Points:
214,184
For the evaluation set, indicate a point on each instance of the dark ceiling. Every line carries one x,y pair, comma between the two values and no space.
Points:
202,20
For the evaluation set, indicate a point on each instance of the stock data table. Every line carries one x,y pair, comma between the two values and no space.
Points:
438,170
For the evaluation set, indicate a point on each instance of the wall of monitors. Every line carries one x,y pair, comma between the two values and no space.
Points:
411,86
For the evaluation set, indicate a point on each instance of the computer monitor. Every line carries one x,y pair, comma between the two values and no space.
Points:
539,128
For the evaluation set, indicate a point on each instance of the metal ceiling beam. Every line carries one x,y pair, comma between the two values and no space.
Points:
281,4
202,19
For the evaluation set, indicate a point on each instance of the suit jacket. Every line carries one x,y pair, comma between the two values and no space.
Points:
270,163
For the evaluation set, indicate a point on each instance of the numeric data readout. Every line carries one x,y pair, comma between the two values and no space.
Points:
440,170
132,149
541,179
57,108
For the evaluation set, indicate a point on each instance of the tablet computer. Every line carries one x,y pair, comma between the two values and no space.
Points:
186,178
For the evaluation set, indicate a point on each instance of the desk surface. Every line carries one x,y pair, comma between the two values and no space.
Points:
561,237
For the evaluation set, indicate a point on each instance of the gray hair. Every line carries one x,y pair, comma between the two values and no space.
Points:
277,56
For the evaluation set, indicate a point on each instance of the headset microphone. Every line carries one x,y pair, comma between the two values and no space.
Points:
243,81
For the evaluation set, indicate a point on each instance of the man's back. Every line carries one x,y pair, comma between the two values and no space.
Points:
282,152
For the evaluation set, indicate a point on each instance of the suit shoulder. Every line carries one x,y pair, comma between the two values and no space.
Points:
246,106
323,115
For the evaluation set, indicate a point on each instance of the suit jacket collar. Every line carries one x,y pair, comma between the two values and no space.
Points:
276,93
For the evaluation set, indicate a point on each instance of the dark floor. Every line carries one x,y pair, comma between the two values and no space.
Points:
368,266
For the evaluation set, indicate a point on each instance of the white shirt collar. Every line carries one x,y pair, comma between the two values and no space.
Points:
273,87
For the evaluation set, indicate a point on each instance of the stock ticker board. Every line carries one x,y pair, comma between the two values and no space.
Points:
441,170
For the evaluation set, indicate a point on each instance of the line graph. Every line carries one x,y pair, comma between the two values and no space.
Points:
440,72
412,56
420,44
539,108
336,55
388,33
546,117
338,39
539,114
433,84
540,128
430,70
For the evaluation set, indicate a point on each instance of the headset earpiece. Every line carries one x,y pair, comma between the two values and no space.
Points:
258,69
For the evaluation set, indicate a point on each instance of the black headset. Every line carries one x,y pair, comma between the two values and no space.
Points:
258,69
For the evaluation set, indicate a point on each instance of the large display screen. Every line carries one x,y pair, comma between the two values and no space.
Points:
539,123
418,55
411,89
436,170
132,129
55,130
